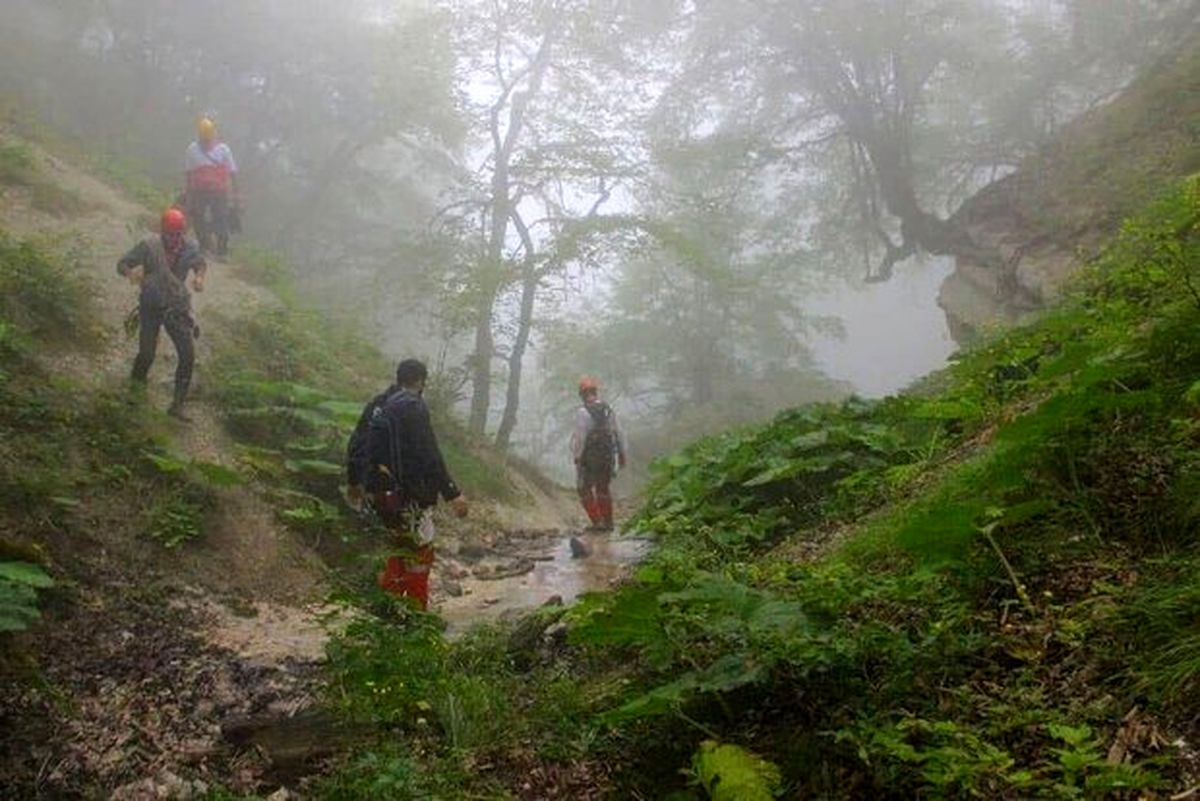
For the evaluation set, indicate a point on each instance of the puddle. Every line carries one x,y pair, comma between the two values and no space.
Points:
524,571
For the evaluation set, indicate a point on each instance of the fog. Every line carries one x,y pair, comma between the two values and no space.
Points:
718,209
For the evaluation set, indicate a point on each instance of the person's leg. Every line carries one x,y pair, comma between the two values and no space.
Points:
604,502
406,575
220,222
150,319
179,328
587,496
197,208
415,583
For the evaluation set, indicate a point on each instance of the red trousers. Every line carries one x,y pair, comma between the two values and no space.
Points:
596,496
408,576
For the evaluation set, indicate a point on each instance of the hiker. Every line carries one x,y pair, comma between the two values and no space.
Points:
597,447
212,189
394,466
160,265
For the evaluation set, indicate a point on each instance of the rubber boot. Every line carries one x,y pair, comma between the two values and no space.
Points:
605,508
593,510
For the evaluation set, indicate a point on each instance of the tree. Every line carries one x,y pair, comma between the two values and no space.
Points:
901,102
540,85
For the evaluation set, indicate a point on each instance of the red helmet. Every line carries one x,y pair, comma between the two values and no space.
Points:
588,384
173,221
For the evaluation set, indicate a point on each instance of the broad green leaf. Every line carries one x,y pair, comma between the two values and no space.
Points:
731,773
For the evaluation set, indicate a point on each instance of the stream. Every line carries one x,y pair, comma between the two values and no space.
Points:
524,569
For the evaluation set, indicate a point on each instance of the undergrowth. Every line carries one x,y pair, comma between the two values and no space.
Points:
989,590
75,461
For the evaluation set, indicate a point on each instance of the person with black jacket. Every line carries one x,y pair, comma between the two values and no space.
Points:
394,465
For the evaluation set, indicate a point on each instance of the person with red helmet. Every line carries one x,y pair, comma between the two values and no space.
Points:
160,265
598,448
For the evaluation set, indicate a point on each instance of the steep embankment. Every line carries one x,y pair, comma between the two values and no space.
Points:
1063,203
193,562
986,590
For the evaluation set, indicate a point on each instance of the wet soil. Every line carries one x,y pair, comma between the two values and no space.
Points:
160,676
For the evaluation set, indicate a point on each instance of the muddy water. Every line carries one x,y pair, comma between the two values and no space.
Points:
524,570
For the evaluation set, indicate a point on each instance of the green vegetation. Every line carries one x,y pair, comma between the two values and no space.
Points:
985,590
292,385
1107,165
19,167
61,444
19,583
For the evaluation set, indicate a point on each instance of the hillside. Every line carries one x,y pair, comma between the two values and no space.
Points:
186,571
1066,200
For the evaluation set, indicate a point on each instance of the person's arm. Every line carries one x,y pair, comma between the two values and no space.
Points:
233,177
199,268
583,424
429,455
619,437
136,257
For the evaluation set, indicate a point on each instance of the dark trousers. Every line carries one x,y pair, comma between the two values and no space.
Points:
180,329
209,210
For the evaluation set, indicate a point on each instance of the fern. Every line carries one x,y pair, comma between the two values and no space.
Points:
19,583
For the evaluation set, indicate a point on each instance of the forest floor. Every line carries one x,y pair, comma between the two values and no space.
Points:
158,655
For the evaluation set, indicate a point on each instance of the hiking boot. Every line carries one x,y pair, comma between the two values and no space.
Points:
176,410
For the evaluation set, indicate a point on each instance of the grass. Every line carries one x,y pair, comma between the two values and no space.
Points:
1009,581
19,167
75,461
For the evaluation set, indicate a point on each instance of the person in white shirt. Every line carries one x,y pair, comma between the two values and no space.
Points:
212,192
598,448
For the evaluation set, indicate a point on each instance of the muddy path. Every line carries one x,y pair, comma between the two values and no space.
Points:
153,661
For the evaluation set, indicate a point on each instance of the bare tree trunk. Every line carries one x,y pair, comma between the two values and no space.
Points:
503,146
512,401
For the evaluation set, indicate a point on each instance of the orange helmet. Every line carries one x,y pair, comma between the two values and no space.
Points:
588,384
173,221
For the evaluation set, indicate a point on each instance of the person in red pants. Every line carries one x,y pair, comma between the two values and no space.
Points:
598,448
394,464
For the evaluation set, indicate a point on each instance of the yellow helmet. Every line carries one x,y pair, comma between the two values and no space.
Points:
206,128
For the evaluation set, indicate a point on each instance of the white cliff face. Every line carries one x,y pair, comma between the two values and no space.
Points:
1046,220
975,297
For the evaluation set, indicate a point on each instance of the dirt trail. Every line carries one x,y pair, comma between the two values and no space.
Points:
238,627
235,625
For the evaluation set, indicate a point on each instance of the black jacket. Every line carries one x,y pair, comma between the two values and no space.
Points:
423,473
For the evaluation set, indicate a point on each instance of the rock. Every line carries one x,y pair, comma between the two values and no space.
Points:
471,552
282,794
452,588
518,567
579,548
553,600
555,634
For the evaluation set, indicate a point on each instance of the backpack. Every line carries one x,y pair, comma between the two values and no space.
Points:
600,446
382,474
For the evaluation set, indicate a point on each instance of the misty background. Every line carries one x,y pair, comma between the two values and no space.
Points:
719,209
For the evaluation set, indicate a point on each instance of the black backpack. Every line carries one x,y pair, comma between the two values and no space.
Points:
383,468
600,447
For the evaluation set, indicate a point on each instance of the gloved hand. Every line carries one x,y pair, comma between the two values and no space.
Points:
460,506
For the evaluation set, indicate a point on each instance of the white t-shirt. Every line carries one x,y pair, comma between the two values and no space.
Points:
219,155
